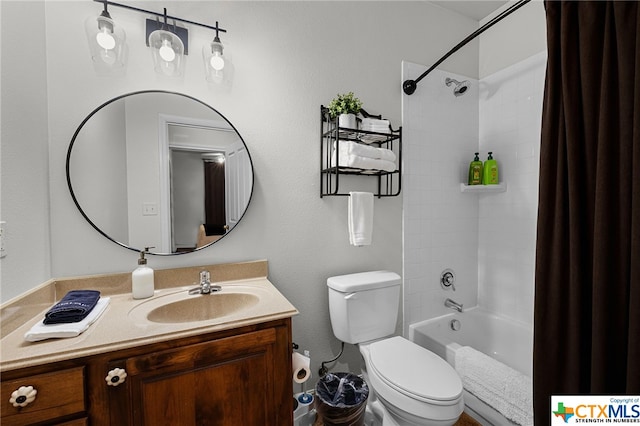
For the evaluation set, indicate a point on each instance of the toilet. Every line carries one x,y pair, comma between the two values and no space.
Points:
409,385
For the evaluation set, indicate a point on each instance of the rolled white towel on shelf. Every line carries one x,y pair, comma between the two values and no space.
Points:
360,218
358,162
355,148
500,386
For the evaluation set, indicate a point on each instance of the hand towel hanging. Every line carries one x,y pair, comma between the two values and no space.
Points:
360,218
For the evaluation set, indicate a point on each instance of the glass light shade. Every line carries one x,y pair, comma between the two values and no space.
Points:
106,42
214,61
168,53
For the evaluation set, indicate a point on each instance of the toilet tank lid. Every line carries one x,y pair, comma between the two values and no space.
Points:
364,281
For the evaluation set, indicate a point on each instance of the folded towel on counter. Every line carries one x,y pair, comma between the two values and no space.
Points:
360,218
359,162
355,148
41,331
505,389
73,307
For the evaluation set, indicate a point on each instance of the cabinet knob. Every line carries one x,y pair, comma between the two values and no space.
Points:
116,377
23,396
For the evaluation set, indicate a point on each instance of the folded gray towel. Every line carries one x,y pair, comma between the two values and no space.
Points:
73,307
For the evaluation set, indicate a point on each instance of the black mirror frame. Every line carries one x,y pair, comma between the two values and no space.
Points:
82,212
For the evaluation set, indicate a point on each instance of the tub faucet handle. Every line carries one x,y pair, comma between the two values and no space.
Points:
448,279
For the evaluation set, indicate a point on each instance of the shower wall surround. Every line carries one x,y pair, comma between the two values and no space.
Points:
510,123
487,239
440,224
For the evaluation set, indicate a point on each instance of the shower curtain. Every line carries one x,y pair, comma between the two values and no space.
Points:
587,296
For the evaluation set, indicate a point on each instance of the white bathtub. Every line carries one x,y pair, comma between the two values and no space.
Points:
505,340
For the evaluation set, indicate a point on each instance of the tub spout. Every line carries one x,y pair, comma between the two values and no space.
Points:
453,305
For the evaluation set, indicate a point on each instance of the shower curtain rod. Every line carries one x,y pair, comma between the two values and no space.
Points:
409,86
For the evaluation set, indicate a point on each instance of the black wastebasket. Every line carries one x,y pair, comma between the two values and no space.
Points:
341,399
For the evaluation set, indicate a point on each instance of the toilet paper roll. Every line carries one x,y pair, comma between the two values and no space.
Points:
301,368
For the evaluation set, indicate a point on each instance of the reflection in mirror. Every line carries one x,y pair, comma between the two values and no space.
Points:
159,169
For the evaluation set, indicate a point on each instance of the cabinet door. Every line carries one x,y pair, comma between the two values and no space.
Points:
229,381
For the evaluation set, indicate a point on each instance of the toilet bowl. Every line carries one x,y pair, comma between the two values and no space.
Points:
414,385
409,385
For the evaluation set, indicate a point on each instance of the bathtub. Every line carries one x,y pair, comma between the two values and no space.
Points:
505,340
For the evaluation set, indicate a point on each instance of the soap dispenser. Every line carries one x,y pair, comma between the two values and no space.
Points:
475,171
142,285
490,171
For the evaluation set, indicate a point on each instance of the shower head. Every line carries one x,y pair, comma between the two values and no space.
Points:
460,86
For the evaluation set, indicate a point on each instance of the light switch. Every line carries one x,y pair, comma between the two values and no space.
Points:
149,209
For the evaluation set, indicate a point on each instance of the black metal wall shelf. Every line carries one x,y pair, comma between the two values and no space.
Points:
331,135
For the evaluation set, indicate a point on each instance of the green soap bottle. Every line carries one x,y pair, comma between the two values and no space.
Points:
490,171
475,171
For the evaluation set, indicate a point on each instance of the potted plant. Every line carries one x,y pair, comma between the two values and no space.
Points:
345,106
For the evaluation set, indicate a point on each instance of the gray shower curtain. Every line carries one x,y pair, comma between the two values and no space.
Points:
587,297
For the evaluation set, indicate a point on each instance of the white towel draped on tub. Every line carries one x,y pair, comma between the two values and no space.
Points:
500,386
360,218
41,331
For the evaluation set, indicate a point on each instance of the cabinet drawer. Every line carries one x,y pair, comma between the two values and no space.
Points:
59,394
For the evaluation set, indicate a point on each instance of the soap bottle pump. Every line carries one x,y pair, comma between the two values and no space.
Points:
142,285
475,171
490,171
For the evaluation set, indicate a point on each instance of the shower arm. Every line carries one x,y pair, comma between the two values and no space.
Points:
409,86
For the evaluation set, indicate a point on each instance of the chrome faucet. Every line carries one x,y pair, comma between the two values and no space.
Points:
453,305
205,285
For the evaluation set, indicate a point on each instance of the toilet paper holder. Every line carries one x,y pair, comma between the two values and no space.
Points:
301,367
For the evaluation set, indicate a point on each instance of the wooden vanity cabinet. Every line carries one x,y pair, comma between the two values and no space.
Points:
228,378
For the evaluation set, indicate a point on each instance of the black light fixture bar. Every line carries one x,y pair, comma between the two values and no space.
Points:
161,15
409,86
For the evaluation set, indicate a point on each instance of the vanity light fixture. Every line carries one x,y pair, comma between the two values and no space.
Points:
106,41
168,46
214,59
168,42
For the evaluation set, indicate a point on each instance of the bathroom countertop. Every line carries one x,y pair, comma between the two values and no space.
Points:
116,329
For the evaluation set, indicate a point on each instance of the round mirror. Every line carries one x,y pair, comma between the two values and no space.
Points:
159,169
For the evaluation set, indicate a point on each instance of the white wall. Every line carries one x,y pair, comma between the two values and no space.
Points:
188,211
289,58
514,39
98,168
510,123
24,201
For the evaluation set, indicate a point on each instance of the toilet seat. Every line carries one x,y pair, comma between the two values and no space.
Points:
414,371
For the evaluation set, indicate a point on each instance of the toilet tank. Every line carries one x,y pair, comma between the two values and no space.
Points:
364,306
